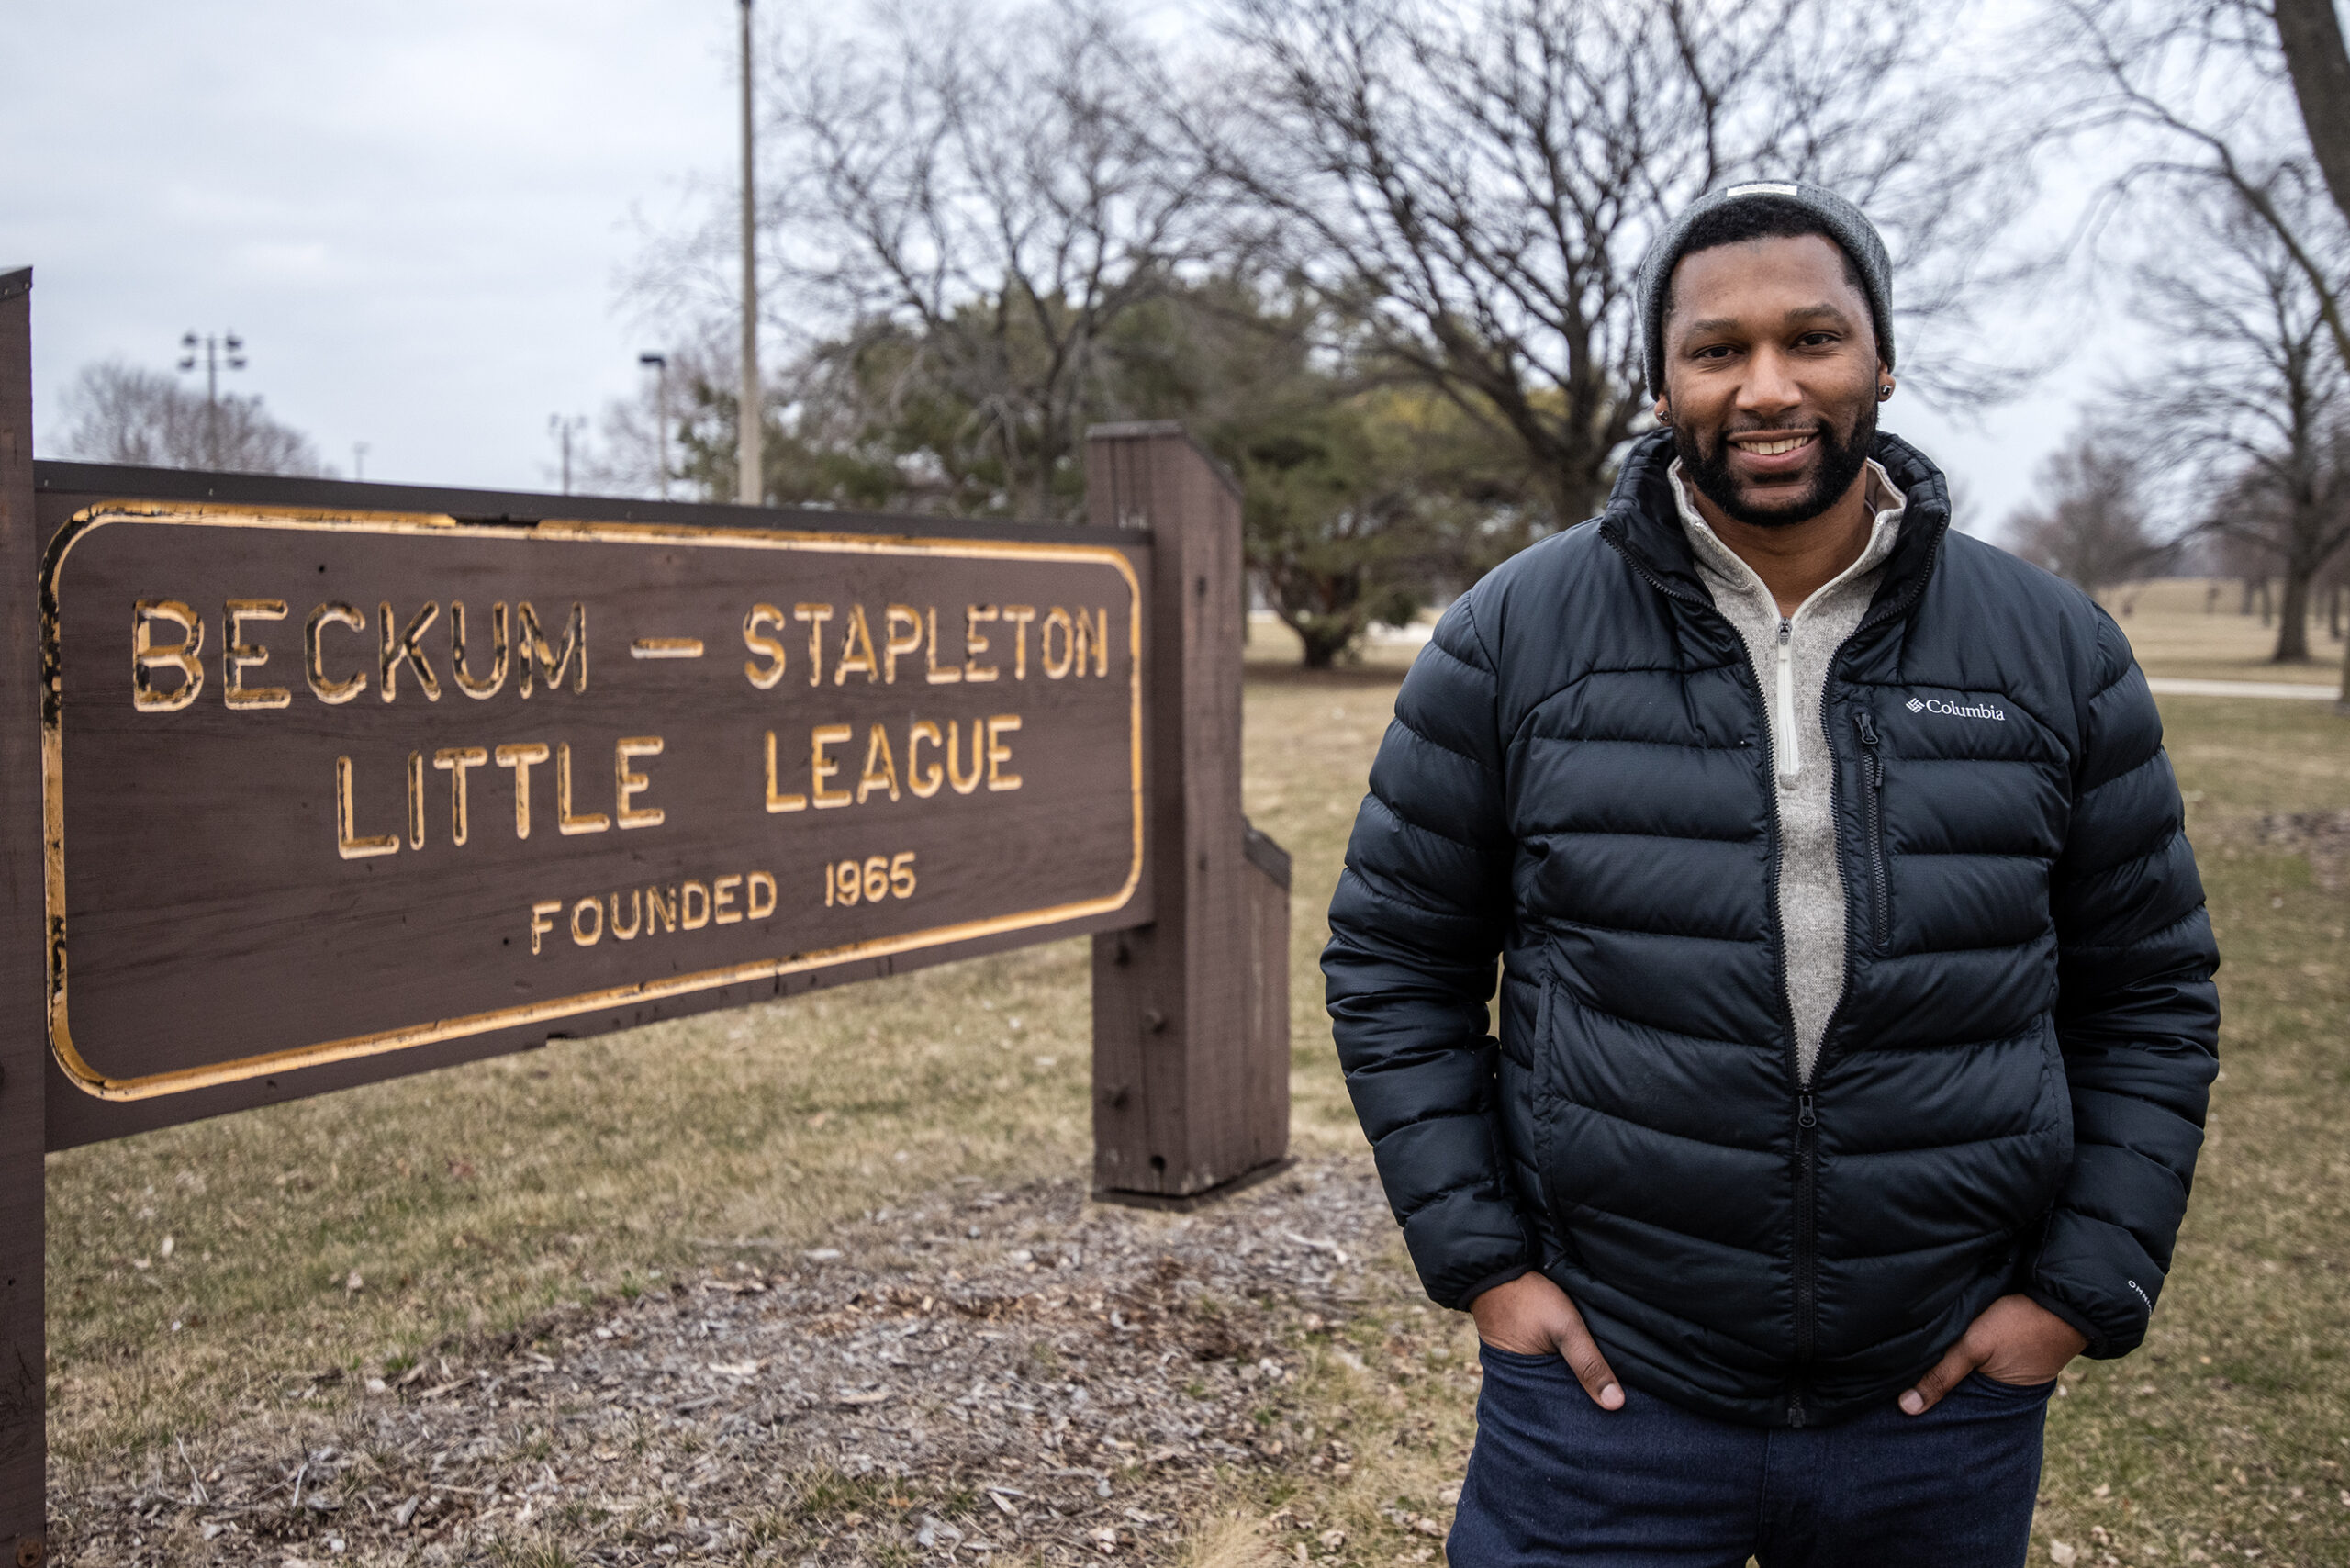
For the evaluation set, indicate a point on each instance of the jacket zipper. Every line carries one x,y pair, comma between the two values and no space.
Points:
1806,1242
1807,1239
1880,885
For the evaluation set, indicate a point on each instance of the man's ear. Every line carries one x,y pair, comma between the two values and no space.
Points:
1663,409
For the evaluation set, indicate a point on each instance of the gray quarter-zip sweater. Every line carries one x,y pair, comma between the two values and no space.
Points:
1791,655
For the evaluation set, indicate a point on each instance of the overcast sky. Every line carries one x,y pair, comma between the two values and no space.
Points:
416,214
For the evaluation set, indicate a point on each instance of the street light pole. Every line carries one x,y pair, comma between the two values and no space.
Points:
213,357
660,364
562,430
750,485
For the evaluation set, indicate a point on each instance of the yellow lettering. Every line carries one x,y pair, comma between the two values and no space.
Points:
855,637
778,801
885,777
1020,615
146,658
539,656
925,784
760,643
454,761
954,765
974,644
347,842
1056,619
628,784
761,882
893,647
692,920
722,900
1097,632
665,907
821,767
333,693
416,799
540,923
586,932
236,656
487,686
998,753
566,823
816,615
401,648
635,915
519,758
931,672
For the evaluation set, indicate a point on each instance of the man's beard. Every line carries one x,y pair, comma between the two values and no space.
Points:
1840,463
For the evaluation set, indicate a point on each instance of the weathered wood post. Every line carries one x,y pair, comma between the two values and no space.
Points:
1191,1028
24,1444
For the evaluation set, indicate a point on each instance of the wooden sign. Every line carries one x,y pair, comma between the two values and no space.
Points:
341,781
320,787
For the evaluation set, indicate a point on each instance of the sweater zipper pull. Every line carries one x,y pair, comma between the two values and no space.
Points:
1789,747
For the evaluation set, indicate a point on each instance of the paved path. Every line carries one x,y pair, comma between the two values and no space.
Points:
2165,685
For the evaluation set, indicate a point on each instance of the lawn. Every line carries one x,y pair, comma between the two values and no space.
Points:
197,1274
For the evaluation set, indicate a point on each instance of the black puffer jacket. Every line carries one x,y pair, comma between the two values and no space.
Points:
2010,1096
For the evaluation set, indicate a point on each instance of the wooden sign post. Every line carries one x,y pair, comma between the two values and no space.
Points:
311,784
24,1355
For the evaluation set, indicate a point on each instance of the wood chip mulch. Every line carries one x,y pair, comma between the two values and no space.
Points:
979,1374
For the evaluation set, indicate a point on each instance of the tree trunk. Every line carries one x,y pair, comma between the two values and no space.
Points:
1322,649
2247,609
2267,603
2293,621
2334,612
2320,64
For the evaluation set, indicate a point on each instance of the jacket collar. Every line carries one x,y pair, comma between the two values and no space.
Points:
1643,522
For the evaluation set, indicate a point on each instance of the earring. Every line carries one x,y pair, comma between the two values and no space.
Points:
1884,392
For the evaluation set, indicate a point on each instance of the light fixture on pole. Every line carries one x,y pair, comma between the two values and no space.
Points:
562,430
226,350
750,485
660,364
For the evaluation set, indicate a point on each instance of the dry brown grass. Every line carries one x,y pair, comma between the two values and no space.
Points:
2174,634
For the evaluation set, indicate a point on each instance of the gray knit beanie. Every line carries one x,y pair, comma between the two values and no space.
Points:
1851,228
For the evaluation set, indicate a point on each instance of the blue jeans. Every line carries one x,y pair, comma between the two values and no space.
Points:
1555,1479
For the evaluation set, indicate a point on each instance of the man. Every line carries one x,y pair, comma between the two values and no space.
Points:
1856,1014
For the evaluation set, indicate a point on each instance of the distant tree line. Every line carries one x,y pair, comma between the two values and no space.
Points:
118,412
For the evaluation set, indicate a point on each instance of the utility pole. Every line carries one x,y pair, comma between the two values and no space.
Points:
213,356
562,430
750,484
660,364
358,460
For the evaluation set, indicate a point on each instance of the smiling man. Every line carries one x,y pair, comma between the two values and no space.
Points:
1856,1014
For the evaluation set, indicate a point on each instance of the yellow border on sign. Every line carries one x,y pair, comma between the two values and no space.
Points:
308,519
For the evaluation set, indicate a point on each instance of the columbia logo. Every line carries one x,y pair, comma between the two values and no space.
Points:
1958,710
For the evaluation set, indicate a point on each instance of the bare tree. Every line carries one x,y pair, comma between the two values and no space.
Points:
2255,400
2094,526
973,205
1477,182
120,413
2216,93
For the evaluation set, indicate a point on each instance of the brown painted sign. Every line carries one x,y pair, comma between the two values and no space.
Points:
319,788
